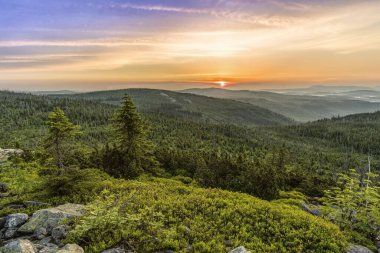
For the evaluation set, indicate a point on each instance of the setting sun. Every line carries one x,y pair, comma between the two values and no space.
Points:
222,84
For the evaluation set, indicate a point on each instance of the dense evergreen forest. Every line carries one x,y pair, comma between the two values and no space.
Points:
200,142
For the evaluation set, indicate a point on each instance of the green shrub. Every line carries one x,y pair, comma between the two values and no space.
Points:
24,183
165,214
292,195
21,178
76,185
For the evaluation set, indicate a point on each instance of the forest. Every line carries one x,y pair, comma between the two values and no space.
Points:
258,178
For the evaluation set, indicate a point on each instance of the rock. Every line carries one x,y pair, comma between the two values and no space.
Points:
45,246
240,249
48,250
45,241
2,222
313,211
10,233
51,217
5,153
34,203
40,233
59,233
15,220
114,250
358,249
3,187
71,248
19,246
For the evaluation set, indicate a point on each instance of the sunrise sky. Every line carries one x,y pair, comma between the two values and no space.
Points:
174,44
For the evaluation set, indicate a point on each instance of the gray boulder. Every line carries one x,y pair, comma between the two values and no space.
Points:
46,247
114,250
40,233
51,217
71,248
240,249
60,232
2,222
10,233
19,246
358,249
15,220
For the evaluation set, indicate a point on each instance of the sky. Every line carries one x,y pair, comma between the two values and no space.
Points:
175,44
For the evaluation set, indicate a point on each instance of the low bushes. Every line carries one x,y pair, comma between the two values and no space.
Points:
168,215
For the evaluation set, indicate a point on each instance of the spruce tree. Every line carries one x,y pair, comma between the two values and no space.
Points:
135,153
60,131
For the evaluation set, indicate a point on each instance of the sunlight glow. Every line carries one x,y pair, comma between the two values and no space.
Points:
222,84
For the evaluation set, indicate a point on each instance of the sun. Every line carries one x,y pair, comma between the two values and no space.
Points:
222,84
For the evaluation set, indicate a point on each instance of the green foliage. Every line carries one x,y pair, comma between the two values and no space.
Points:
132,151
185,145
22,178
354,204
75,185
24,183
164,214
291,198
60,131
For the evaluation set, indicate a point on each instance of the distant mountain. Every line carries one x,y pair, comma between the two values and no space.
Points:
319,89
302,108
192,106
57,92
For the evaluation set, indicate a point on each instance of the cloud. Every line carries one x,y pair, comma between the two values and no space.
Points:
248,39
237,16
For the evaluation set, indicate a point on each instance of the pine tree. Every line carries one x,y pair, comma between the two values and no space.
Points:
135,151
60,131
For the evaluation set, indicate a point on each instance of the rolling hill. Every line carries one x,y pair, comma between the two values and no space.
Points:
302,108
191,106
357,132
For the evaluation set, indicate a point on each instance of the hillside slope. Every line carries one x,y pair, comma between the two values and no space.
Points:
299,107
192,106
23,116
359,132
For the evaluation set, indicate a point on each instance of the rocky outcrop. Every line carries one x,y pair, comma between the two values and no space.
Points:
5,153
240,249
11,223
15,220
358,249
42,233
71,248
19,246
51,217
